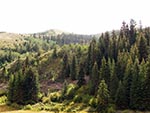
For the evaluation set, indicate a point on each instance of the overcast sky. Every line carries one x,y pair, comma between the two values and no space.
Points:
77,16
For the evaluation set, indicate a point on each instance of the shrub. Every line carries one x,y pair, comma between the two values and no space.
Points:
111,109
86,98
55,97
77,99
45,100
27,107
3,99
93,102
71,89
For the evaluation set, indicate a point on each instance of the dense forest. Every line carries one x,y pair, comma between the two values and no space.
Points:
103,74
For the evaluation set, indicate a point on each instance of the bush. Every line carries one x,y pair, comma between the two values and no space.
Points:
55,97
15,105
93,102
86,98
3,99
3,92
111,109
77,99
71,89
27,107
45,100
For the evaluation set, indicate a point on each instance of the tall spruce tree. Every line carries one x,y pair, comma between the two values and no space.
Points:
142,47
94,81
102,96
81,79
105,71
146,91
31,86
114,81
73,70
127,81
135,91
120,99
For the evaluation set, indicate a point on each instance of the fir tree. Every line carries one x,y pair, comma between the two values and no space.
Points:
120,96
94,79
102,96
73,69
81,80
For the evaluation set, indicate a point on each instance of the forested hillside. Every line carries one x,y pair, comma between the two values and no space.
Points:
70,73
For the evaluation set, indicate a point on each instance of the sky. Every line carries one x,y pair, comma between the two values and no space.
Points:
75,16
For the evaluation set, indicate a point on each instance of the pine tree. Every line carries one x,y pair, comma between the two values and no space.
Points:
81,80
73,70
120,96
54,54
102,96
142,47
127,81
114,81
31,86
94,81
66,68
132,37
105,71
135,90
146,91
11,88
89,62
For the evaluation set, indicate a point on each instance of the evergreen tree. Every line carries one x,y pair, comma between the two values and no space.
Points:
66,68
142,47
127,81
132,37
120,96
31,86
11,88
81,80
88,61
54,54
73,69
136,86
94,81
146,98
114,81
105,71
102,96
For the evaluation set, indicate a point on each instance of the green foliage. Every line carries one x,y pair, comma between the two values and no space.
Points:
81,80
94,79
73,69
102,96
55,97
120,97
3,99
25,89
28,107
